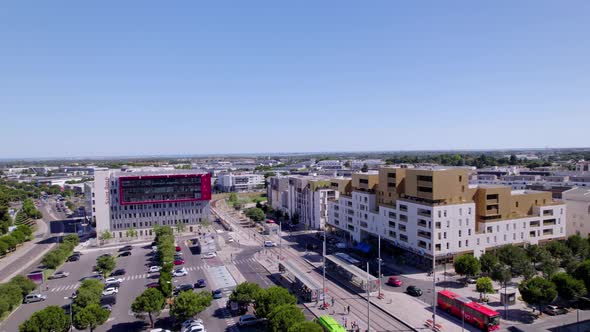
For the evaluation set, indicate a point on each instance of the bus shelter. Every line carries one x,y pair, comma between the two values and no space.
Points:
347,272
301,284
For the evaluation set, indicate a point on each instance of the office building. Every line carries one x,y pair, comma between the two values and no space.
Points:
238,182
577,201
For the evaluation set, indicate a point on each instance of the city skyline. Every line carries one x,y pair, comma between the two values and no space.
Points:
140,80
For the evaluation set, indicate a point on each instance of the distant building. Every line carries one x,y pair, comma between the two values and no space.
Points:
583,166
577,201
239,182
140,199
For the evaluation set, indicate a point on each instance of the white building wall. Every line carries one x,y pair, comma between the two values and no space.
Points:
577,202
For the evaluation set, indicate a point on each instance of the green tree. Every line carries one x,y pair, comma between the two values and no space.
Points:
18,236
513,160
88,293
233,198
255,214
105,236
131,232
305,326
26,230
501,274
578,246
150,302
52,318
515,258
165,283
537,291
245,293
11,242
25,284
12,293
283,316
270,298
484,286
582,272
90,317
72,239
3,248
365,168
467,265
189,304
105,264
567,287
558,249
52,259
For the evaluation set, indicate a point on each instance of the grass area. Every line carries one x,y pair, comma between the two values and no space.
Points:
247,198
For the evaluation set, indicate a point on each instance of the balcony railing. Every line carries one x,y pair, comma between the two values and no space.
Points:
424,235
424,214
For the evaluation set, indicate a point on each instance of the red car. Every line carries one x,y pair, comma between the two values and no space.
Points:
153,285
270,221
179,262
178,248
393,281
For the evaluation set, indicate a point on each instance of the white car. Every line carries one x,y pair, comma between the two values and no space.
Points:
113,280
230,239
110,291
269,244
193,325
154,269
159,330
180,272
209,255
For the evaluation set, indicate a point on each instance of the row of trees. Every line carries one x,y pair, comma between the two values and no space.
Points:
10,241
479,161
58,256
29,210
276,305
255,214
13,293
540,267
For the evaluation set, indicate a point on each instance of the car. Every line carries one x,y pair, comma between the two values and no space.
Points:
154,268
196,328
115,285
201,283
95,276
270,221
180,272
182,288
230,239
248,320
153,285
340,245
393,281
113,280
470,281
217,294
554,310
179,262
269,244
414,291
159,330
73,258
59,275
178,248
118,272
176,258
125,254
110,291
34,298
110,300
187,325
107,307
209,255
77,253
104,255
126,248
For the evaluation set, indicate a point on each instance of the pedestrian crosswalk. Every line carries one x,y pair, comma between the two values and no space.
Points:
249,260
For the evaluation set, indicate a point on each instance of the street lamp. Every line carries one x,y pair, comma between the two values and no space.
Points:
71,312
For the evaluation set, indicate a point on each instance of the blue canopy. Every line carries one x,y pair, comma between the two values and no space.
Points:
363,247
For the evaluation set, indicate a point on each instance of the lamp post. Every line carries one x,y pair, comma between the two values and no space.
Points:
324,268
379,262
71,298
368,300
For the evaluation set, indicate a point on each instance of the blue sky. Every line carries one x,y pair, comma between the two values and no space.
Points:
190,77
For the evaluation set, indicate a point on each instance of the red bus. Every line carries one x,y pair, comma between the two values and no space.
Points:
474,313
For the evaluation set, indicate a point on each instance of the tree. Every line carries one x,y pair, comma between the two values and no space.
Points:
513,160
105,264
305,326
567,287
90,317
365,168
501,274
582,272
10,242
18,236
151,301
12,293
467,265
3,248
25,284
559,250
52,318
189,304
284,316
131,232
245,293
105,236
88,293
255,214
233,198
270,298
165,283
579,246
537,291
72,239
25,229
484,286
515,258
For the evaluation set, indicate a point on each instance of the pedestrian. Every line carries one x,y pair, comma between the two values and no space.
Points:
345,322
332,301
348,309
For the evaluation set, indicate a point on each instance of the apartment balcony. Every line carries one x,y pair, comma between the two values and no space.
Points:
534,224
493,201
364,224
549,222
490,212
422,244
425,214
424,184
548,212
422,223
424,235
548,231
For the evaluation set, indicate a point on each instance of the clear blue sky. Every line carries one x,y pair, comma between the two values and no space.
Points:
191,77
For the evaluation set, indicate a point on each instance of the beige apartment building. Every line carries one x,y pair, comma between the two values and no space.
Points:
434,211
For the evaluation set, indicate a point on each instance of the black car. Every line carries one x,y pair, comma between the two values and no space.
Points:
414,291
73,258
125,253
112,284
108,300
182,288
118,272
126,248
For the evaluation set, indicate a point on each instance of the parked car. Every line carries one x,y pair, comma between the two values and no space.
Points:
77,253
104,255
192,325
115,285
126,248
201,283
179,262
59,275
30,298
554,310
393,281
95,276
125,254
154,268
153,285
230,239
180,272
471,281
159,330
209,255
73,258
249,320
182,288
269,244
110,300
178,248
107,307
118,272
217,294
113,280
110,291
414,291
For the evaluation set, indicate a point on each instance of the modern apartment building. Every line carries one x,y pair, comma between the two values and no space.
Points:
577,201
434,211
303,196
140,200
240,182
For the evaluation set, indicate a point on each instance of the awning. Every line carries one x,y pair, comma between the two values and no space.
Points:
363,247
